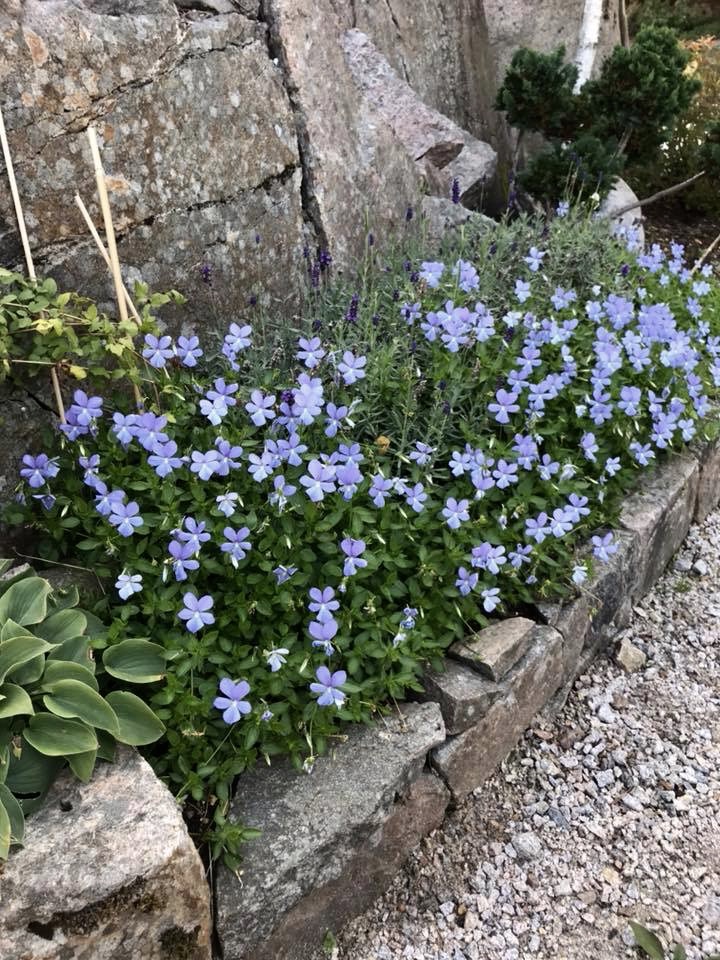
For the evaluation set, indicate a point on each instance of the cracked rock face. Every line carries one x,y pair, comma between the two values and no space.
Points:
198,142
107,872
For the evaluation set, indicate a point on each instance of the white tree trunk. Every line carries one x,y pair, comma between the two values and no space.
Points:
588,41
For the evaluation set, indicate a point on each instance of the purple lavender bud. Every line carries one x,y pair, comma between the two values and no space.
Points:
493,249
315,274
325,259
414,276
446,408
407,266
316,325
409,214
413,346
257,238
455,191
252,300
371,240
442,385
396,295
206,274
624,269
306,252
375,320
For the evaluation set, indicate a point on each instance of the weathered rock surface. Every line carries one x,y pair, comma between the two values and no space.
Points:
331,839
468,759
497,648
616,201
443,217
708,495
108,872
463,695
630,657
660,515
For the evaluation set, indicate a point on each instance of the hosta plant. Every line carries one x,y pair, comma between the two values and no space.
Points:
51,710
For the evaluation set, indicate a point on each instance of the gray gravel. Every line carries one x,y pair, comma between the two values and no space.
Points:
607,812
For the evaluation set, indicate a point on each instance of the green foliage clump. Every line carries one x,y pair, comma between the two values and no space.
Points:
693,146
479,441
629,110
51,710
652,947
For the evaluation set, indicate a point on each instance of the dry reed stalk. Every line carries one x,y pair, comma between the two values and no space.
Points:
110,235
26,247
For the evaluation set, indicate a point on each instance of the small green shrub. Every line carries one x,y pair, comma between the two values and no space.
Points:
51,710
652,946
628,111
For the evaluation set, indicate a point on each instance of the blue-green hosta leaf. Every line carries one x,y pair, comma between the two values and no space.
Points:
14,812
59,737
83,764
18,651
63,600
26,601
77,649
31,772
63,625
10,630
56,670
9,577
138,661
74,698
29,672
138,724
5,566
15,701
5,832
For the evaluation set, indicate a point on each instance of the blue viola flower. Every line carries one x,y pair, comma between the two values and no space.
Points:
281,493
604,547
126,517
158,350
236,544
491,599
128,584
237,339
467,276
104,499
323,632
182,559
409,618
348,478
415,497
579,574
260,407
263,466
335,416
193,532
308,399
538,527
534,259
485,556
562,209
522,290
233,704
204,464
226,457
38,470
353,550
380,488
505,404
148,428
275,658
327,689
283,573
520,555
310,351
163,459
189,351
196,612
577,507
642,453
217,402
319,480
351,368
292,449
505,474
466,581
455,512
589,446
323,603
86,409
124,427
422,454
431,272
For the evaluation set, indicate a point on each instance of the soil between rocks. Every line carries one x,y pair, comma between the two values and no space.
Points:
607,812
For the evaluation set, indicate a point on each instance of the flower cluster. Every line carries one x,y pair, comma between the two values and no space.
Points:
426,459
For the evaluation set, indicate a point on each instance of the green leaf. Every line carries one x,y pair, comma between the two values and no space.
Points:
5,831
138,661
647,941
83,764
10,630
14,812
4,566
76,649
68,597
58,736
679,952
31,772
29,672
56,670
107,746
63,625
138,724
15,702
14,653
26,601
74,698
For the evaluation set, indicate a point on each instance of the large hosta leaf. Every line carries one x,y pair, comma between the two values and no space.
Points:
77,649
15,702
74,698
58,736
31,773
26,601
56,670
15,814
138,661
5,832
83,764
138,724
63,625
18,651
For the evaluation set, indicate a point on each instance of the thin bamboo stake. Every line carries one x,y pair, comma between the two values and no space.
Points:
669,191
623,23
110,234
707,253
103,251
26,246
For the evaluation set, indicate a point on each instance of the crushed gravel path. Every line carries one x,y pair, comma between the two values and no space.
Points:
607,812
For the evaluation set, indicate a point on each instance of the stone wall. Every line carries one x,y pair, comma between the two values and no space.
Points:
234,132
